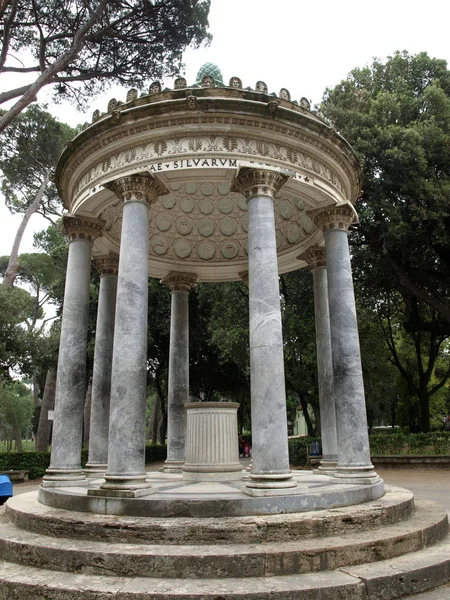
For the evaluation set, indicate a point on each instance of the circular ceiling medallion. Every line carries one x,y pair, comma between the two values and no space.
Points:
226,205
229,249
206,249
159,244
163,221
168,201
182,248
206,206
206,227
228,226
190,187
185,225
207,189
187,205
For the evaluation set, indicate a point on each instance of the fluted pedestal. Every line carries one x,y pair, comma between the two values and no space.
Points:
212,450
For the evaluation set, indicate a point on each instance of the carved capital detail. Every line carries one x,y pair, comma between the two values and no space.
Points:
82,228
336,217
107,264
180,282
315,257
259,182
137,188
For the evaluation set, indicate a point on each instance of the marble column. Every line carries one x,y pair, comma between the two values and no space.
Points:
101,378
315,257
178,385
354,465
65,465
126,476
270,473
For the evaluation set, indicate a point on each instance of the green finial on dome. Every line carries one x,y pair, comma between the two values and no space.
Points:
212,70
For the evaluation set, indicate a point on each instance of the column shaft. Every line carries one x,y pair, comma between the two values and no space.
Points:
126,457
325,370
178,388
101,379
269,419
65,465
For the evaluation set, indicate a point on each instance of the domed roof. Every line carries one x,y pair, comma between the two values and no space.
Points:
212,70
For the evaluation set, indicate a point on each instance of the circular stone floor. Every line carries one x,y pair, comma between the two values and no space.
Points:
175,497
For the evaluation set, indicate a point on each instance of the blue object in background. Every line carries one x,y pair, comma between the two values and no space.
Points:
314,449
6,490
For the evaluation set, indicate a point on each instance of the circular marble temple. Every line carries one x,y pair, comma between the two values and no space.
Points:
193,140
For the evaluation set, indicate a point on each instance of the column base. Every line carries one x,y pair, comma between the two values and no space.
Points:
271,484
172,466
124,486
327,466
356,475
63,477
95,470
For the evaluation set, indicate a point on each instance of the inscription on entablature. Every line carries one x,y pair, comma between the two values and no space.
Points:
204,145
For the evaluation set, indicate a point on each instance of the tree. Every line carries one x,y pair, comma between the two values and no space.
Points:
397,117
30,149
16,410
78,47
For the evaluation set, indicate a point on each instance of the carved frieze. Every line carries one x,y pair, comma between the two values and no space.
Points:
169,149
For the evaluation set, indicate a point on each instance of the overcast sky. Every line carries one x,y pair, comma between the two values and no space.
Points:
302,46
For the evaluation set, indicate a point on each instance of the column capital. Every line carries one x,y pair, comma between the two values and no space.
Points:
259,182
315,257
141,187
82,228
108,264
335,217
180,282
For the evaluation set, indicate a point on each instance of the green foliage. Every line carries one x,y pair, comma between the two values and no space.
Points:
38,462
16,408
118,41
31,146
298,450
397,117
435,443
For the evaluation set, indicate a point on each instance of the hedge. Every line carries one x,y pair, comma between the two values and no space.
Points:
37,462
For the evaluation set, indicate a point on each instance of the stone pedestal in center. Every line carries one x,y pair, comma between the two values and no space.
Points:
212,450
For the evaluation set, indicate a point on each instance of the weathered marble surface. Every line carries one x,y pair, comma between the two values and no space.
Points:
126,456
70,383
212,452
101,379
325,369
353,439
268,396
178,385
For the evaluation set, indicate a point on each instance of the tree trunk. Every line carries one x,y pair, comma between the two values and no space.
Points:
309,425
155,420
424,403
13,264
87,415
48,403
36,389
163,429
17,438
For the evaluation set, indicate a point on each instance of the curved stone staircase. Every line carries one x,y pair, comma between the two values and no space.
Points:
379,550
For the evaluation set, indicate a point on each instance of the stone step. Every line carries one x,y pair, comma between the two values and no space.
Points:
425,527
26,512
385,580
